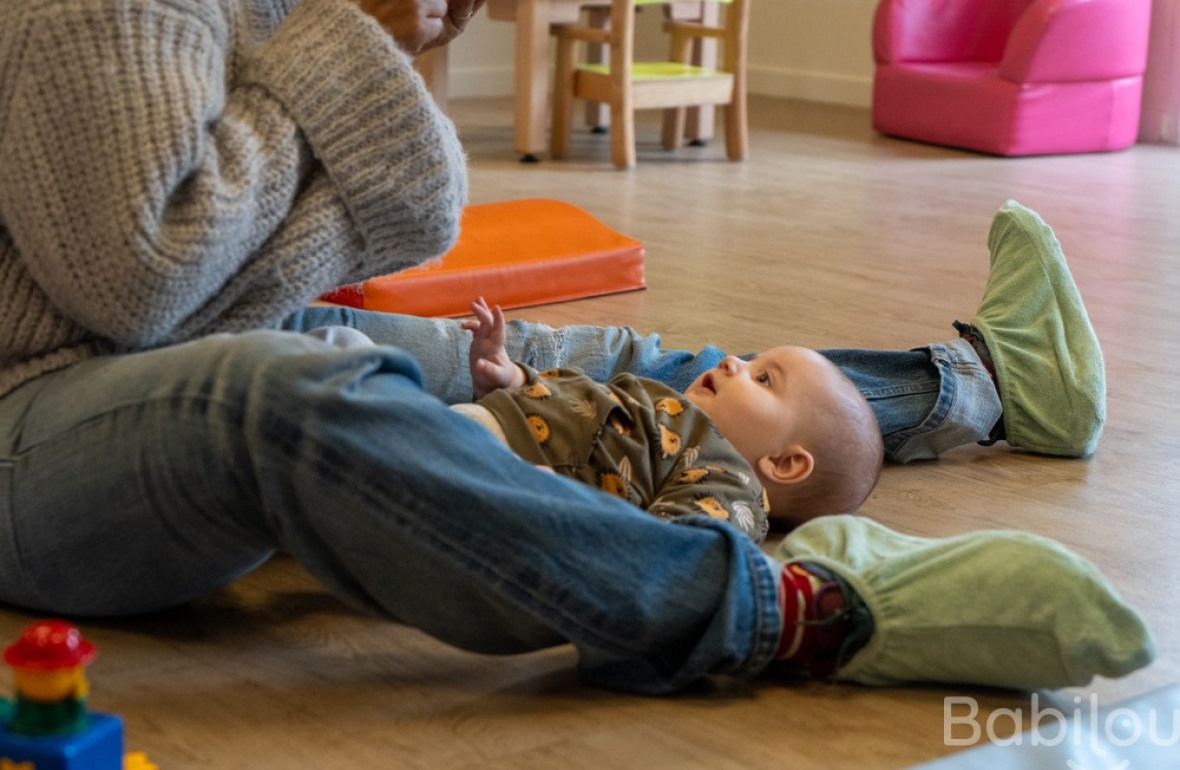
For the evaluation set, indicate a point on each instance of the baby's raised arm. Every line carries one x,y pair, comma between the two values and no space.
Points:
491,368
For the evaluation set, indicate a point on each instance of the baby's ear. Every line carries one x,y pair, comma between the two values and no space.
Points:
790,467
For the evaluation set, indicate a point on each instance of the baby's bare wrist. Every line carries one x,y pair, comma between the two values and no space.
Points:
519,376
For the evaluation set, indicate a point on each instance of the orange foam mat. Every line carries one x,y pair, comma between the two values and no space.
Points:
514,253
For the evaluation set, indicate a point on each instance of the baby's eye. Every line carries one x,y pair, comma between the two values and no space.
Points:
763,378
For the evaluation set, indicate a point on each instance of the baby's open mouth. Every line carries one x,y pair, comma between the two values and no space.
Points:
707,382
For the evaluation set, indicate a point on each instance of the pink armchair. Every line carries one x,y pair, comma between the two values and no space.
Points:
1011,77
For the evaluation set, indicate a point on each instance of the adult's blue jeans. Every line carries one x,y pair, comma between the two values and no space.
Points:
130,483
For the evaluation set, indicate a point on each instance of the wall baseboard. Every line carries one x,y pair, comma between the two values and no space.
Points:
851,90
465,82
785,83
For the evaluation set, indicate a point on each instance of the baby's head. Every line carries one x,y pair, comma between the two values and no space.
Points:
802,424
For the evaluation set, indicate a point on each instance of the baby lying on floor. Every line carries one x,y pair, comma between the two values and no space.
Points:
784,436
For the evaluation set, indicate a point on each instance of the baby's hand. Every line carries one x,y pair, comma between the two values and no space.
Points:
491,368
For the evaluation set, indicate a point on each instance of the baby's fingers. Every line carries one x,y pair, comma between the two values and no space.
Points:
497,332
481,311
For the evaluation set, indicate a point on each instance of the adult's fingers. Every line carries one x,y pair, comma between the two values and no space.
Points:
415,24
459,13
461,10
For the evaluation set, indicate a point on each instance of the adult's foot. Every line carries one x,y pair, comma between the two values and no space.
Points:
1047,361
994,608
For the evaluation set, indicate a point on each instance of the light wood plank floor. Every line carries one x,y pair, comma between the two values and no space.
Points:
828,236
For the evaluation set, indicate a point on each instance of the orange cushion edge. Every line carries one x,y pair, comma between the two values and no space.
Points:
516,253
510,285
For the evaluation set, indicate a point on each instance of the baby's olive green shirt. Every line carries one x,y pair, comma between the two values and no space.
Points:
631,437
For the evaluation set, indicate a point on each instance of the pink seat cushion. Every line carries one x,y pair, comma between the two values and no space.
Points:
1011,77
968,105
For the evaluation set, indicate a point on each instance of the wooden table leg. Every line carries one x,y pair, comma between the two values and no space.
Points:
532,77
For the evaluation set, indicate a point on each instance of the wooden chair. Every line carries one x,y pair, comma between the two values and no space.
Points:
696,126
627,85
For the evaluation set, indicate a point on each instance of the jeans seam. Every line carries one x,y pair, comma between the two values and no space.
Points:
766,635
897,390
959,411
550,347
767,625
938,413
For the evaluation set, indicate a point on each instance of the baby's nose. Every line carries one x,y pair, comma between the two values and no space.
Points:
731,365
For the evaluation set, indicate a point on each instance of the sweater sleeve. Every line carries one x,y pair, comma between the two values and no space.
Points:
145,186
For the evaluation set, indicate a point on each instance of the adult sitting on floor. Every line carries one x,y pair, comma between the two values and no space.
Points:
172,171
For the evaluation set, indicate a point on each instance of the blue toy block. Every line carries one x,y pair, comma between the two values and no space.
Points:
98,747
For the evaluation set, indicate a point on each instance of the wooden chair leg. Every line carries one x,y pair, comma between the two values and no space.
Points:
597,113
737,132
563,99
622,135
705,54
699,124
675,118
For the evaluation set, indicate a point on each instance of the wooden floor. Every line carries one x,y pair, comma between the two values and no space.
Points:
828,236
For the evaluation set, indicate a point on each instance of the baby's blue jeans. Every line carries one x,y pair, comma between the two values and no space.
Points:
130,483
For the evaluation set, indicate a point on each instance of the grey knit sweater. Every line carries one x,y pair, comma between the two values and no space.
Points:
172,168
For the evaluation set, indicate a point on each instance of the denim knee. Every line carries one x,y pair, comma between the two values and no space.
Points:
281,369
126,463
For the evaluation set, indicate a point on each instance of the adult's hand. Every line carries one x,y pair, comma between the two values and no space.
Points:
418,25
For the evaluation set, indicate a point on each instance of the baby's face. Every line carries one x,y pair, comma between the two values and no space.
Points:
762,406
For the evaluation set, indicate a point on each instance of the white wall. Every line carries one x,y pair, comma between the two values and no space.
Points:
480,62
819,50
809,49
